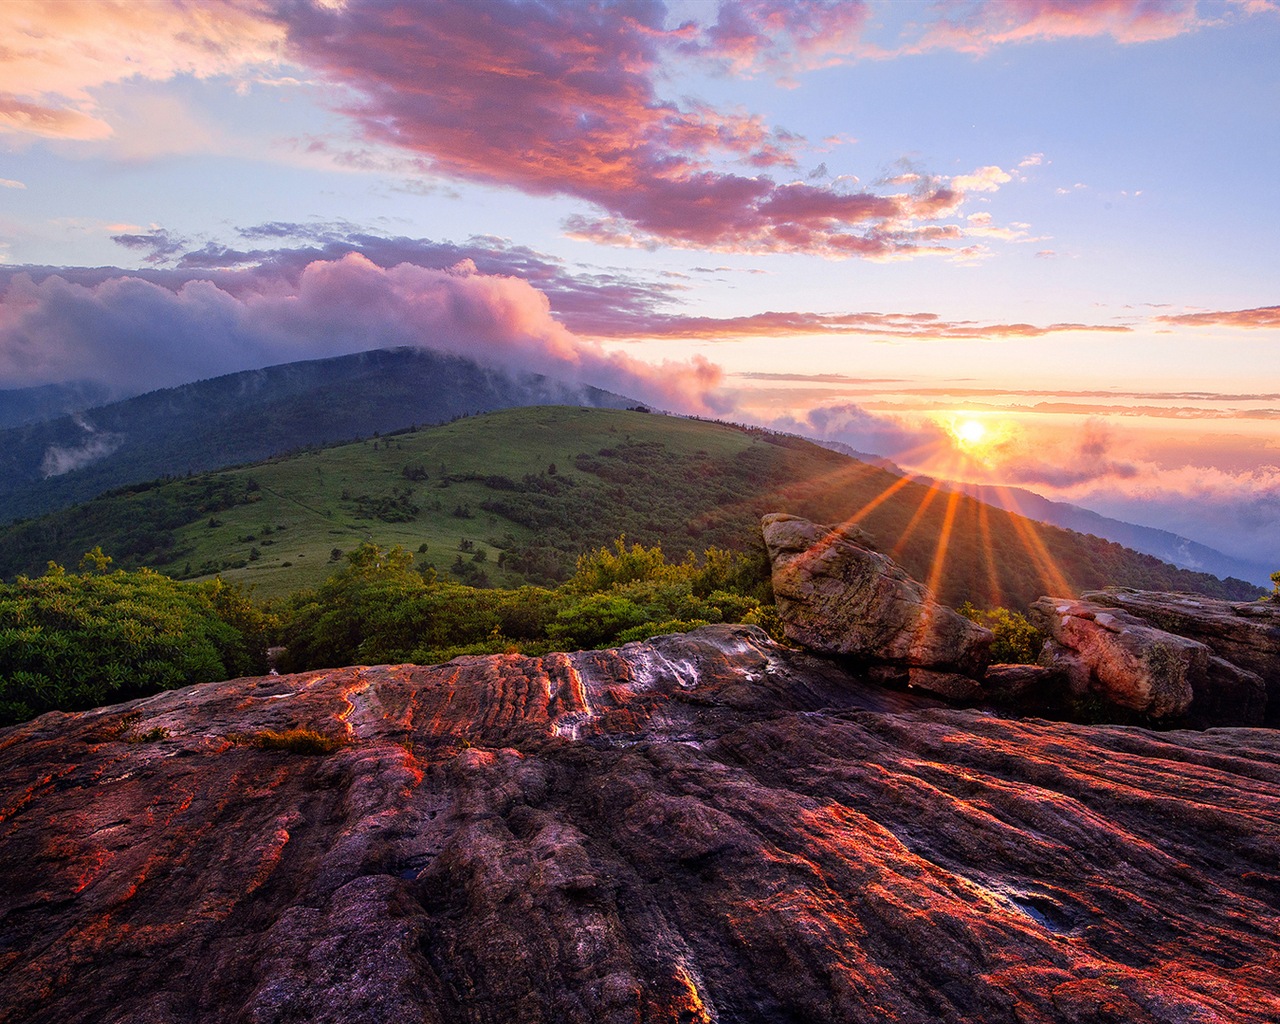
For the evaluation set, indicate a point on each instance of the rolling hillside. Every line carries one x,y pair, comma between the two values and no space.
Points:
515,496
244,417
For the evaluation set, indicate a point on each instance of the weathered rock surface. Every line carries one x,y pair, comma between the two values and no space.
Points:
1246,634
698,828
1106,650
838,596
1011,684
1121,657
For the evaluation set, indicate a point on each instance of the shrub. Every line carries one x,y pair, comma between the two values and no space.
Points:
75,641
1017,641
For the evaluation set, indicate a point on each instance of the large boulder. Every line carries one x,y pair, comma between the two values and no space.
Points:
1246,634
838,596
1106,651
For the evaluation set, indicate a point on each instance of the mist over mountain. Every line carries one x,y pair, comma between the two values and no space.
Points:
19,406
254,414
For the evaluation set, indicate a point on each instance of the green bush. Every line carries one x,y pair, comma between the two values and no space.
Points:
378,609
1017,641
70,641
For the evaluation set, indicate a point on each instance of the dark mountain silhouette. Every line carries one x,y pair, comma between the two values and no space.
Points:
20,406
243,417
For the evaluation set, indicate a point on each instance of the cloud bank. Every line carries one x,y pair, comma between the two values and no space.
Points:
136,335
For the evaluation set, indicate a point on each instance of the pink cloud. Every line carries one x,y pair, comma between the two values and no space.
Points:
549,99
561,99
135,334
1262,316
782,37
975,26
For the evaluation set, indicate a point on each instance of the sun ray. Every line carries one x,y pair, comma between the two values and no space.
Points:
944,541
996,594
931,492
1035,546
877,501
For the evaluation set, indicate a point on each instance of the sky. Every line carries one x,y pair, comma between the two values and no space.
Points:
1029,242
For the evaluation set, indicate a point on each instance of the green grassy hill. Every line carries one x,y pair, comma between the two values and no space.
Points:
255,414
515,496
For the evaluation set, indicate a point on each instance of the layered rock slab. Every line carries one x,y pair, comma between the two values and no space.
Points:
1246,634
838,596
1103,649
703,827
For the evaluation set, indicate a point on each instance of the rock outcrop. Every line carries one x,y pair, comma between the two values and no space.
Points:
1119,656
704,827
1106,650
1177,659
1245,634
838,596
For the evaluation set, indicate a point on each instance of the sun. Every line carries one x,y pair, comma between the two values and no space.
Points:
970,433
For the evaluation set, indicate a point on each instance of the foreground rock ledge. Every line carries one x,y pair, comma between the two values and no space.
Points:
701,828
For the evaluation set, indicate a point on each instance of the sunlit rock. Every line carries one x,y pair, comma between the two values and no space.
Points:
705,827
1246,634
1110,653
838,596
1120,657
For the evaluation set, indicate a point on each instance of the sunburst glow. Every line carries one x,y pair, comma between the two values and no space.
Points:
970,432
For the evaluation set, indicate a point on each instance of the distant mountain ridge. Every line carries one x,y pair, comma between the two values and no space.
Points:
1164,545
19,406
255,414
515,496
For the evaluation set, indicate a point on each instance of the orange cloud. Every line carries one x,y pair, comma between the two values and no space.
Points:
22,117
984,179
56,53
